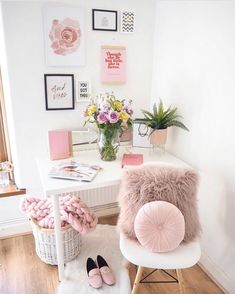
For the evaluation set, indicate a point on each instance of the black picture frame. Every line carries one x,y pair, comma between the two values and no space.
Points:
59,91
104,20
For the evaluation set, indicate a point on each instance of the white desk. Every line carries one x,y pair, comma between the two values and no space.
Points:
109,176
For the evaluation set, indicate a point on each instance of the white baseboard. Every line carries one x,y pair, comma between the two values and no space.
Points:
10,230
216,274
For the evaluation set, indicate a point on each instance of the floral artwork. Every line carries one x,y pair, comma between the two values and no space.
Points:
64,36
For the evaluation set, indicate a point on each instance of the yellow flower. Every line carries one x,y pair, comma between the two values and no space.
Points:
117,105
124,116
91,109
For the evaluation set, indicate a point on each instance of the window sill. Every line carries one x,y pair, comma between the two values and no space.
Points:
11,190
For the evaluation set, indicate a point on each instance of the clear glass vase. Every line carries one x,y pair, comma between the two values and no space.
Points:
4,178
108,143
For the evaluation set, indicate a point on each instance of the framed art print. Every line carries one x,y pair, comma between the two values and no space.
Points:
104,20
59,91
64,36
83,90
113,64
127,22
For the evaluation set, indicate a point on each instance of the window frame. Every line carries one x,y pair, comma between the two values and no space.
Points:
5,155
4,140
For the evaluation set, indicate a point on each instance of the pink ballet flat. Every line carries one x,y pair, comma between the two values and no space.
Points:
105,271
93,274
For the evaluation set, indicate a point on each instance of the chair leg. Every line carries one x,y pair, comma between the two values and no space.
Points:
181,281
137,279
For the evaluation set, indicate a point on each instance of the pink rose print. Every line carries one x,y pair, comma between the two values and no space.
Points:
65,36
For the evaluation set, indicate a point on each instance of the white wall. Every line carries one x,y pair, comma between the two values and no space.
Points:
194,69
23,30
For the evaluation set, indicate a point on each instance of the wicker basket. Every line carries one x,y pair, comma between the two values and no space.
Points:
46,244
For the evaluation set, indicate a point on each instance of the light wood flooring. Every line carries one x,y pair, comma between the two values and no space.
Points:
22,272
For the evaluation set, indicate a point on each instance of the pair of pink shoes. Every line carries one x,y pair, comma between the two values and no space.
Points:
99,272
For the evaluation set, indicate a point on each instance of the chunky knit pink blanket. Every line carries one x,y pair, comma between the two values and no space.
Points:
72,211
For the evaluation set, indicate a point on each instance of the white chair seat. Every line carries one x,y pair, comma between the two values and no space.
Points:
183,256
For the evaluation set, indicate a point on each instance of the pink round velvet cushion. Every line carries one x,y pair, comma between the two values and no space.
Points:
159,226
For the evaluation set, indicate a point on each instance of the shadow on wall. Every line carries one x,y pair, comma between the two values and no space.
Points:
212,211
230,214
216,210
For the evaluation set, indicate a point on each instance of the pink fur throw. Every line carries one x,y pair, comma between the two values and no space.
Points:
144,184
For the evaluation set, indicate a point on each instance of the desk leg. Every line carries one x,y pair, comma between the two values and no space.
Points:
58,237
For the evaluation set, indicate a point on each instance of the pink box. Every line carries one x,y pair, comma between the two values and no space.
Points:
132,159
59,144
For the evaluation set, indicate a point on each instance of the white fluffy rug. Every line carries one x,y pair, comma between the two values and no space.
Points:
103,241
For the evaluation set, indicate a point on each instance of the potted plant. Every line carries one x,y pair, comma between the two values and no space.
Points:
159,120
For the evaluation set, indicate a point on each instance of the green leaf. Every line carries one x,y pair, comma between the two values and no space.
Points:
161,119
176,123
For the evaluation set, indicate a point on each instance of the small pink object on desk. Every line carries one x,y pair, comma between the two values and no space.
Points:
132,159
59,144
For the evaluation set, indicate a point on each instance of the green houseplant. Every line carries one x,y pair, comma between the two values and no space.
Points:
161,119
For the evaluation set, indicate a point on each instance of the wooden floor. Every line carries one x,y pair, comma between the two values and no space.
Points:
22,272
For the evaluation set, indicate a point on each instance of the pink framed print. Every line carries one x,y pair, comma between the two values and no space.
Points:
113,64
64,32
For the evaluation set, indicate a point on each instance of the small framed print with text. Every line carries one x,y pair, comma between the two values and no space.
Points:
83,91
113,64
59,91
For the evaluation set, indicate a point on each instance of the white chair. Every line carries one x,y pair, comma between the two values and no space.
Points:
184,256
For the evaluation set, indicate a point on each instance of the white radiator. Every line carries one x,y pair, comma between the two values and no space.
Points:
99,199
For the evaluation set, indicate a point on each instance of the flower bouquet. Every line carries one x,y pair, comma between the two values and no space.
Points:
6,168
112,116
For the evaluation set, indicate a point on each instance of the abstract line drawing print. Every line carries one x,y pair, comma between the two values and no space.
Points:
127,22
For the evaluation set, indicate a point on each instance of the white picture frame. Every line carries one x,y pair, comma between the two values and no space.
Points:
140,136
64,36
83,90
127,20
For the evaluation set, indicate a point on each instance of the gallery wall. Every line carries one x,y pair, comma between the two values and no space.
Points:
25,61
194,64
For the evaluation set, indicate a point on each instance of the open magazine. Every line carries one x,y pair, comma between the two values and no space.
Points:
73,170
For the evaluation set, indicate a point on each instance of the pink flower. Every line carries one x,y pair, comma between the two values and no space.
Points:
127,107
102,118
65,36
113,117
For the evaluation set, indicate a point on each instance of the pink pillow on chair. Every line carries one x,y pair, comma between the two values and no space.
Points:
159,226
143,184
